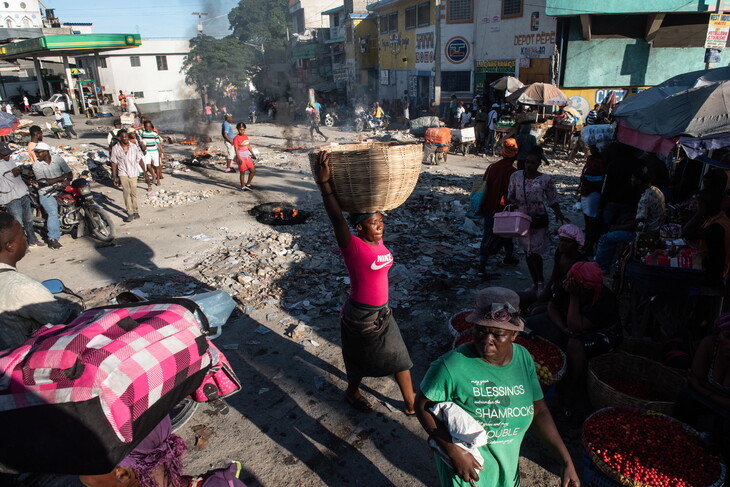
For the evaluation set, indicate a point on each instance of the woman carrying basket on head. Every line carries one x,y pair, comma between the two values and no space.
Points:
372,345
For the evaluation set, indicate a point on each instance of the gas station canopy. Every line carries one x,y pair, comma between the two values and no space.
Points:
68,45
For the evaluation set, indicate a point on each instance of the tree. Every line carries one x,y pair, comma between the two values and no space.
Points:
261,22
215,64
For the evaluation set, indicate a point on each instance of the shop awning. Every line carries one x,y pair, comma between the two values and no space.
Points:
68,45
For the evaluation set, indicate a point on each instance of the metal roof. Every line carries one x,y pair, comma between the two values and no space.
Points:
333,10
69,45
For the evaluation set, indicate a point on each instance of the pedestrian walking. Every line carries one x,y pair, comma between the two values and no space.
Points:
492,117
244,156
208,112
151,143
14,193
122,101
228,135
26,104
127,160
314,121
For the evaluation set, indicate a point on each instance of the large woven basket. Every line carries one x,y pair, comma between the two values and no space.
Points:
663,381
372,176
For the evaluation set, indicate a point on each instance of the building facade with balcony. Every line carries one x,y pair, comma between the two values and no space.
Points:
361,57
629,46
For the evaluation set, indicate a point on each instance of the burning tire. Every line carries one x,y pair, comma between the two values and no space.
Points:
278,214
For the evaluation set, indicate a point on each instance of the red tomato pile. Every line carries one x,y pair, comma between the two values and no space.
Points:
633,388
459,322
650,449
543,353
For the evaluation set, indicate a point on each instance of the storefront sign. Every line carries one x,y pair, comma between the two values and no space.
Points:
457,50
604,92
535,39
533,52
717,31
497,66
425,46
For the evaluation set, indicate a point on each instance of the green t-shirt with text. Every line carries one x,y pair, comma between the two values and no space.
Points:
501,399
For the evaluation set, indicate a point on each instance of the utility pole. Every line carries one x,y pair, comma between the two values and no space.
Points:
200,21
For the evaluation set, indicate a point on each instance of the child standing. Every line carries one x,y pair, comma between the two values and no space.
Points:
244,156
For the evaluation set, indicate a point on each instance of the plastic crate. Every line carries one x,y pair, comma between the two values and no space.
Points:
510,224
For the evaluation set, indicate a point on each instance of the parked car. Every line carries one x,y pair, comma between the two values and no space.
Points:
47,108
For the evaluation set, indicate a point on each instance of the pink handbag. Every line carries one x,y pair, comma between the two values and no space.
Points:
220,382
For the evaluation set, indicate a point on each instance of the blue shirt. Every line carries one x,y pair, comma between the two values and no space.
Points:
66,120
318,107
227,129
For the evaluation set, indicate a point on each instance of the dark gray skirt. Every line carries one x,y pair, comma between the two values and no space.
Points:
372,345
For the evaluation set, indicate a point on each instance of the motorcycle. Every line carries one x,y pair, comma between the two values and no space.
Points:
78,213
365,121
331,118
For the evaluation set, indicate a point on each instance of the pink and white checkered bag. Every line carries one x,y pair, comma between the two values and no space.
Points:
220,375
77,398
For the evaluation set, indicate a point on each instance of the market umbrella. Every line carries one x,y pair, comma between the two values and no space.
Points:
539,94
8,123
697,112
647,98
507,83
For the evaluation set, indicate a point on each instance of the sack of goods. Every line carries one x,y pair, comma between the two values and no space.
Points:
510,224
438,136
77,398
371,176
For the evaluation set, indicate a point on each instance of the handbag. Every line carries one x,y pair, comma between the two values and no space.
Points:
476,198
539,220
220,376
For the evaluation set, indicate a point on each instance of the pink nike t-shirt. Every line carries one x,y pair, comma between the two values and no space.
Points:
368,267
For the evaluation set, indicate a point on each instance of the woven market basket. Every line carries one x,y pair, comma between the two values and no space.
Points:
614,478
663,381
372,176
560,373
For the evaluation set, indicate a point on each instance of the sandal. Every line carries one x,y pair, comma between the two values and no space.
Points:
359,403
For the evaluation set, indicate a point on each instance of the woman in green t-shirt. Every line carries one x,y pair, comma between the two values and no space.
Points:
493,380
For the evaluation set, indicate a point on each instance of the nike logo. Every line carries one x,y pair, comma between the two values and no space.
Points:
381,261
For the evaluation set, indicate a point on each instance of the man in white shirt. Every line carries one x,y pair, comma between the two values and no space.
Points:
14,193
50,172
491,126
25,304
127,161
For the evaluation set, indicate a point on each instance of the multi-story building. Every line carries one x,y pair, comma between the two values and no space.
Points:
361,57
152,72
407,50
513,38
628,46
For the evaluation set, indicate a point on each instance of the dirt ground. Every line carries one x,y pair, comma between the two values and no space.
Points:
289,425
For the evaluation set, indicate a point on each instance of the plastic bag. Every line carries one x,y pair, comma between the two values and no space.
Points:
476,198
217,306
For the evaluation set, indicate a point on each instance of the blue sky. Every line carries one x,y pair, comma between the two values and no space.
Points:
150,18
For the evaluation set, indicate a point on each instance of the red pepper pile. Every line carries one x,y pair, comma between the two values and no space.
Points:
633,388
459,322
543,352
650,449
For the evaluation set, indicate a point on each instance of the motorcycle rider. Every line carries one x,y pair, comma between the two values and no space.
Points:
25,304
14,193
50,170
378,112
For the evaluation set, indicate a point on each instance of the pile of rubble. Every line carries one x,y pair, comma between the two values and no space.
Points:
163,198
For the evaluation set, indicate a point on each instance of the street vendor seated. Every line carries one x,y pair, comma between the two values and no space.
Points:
709,227
582,319
650,214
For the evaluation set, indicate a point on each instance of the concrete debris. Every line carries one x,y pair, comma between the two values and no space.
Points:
165,199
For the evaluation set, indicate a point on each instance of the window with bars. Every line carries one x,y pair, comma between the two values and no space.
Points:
424,14
102,62
134,61
411,18
138,94
393,22
459,11
161,63
511,9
